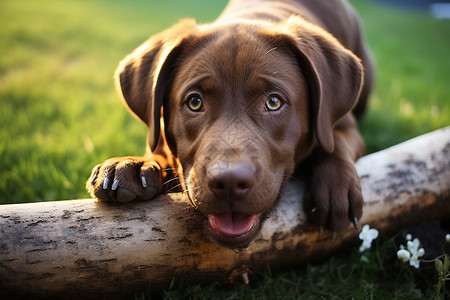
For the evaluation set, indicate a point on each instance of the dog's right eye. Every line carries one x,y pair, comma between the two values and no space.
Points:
273,103
195,103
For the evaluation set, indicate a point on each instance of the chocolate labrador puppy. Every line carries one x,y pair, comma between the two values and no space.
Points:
235,106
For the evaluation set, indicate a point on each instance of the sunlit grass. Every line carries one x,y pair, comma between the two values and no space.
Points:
60,113
412,94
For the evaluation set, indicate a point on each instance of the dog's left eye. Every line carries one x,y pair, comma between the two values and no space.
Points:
273,103
195,103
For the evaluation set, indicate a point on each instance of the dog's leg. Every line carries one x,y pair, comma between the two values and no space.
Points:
334,196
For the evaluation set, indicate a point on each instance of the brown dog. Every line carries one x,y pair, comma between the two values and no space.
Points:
233,107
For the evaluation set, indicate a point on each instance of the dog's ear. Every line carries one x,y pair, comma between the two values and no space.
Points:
144,75
333,73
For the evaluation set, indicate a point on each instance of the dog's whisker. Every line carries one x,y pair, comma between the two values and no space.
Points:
285,176
185,182
174,187
190,200
173,179
281,181
169,169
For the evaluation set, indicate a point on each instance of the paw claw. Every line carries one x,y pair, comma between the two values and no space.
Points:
106,183
333,236
144,181
94,178
355,223
115,185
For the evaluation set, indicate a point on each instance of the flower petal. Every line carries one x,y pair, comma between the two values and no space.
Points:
414,262
403,255
420,252
373,233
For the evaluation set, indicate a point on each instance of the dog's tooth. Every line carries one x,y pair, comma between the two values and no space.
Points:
115,185
144,181
106,183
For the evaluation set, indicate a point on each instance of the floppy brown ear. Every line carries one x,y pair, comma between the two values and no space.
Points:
334,76
144,75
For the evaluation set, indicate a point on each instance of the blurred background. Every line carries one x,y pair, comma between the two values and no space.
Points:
60,113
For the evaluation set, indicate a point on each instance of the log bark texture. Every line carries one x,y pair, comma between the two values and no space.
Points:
83,249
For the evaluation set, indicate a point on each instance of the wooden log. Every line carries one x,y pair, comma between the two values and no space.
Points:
85,249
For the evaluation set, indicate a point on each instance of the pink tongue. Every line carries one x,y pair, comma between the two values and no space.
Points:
233,223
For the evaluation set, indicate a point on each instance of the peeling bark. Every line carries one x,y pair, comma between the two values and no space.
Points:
84,249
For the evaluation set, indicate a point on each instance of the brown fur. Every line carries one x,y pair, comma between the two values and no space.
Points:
234,154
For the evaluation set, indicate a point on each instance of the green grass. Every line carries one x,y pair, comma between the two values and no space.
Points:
60,115
412,94
59,110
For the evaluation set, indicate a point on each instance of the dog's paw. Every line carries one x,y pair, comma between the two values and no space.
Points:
334,195
124,179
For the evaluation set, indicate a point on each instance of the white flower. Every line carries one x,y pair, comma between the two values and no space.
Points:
413,246
447,238
365,245
414,260
411,252
367,235
403,255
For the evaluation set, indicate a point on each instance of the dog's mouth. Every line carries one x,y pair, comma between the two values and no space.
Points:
234,229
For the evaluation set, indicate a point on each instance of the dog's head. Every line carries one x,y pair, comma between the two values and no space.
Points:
242,103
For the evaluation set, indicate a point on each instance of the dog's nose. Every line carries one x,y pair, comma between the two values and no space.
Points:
231,181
